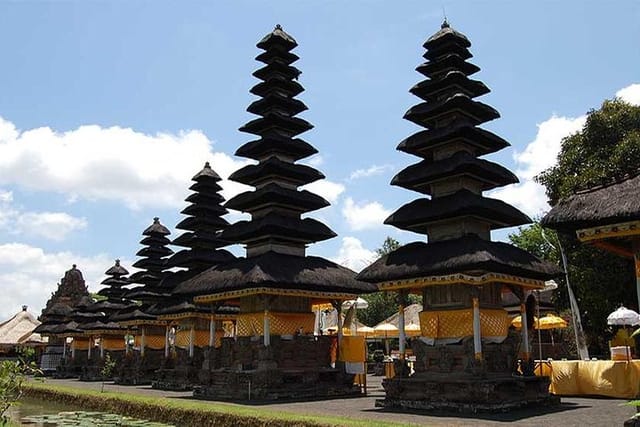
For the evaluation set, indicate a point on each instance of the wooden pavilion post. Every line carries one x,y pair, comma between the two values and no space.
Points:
192,339
266,325
142,341
401,333
64,347
526,351
101,347
212,331
73,348
636,259
477,332
166,341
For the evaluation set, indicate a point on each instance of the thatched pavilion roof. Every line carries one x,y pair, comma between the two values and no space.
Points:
468,254
609,204
277,271
19,329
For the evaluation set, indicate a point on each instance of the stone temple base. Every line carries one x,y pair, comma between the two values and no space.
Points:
292,369
276,384
467,395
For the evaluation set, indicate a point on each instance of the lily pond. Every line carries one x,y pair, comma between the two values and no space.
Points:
34,412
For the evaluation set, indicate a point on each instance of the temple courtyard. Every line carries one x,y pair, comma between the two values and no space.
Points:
573,411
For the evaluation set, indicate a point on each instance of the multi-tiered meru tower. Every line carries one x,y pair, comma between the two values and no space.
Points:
465,355
277,284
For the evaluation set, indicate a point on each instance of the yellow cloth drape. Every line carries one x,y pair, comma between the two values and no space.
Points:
280,323
352,349
80,343
597,378
113,342
459,323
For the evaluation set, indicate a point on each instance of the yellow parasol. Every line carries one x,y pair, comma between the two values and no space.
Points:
550,321
365,331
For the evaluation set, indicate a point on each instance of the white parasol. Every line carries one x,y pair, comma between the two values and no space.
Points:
359,303
623,316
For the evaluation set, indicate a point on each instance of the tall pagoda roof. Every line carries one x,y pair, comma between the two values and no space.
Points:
457,218
613,203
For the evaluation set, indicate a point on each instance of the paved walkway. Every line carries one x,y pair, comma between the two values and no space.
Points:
571,412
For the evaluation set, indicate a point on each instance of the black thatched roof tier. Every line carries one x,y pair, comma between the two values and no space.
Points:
114,282
109,306
446,36
294,148
276,195
453,81
155,240
205,223
177,308
129,316
279,85
277,55
205,210
205,199
278,103
466,255
610,204
156,229
116,270
101,326
275,270
276,124
284,228
416,216
428,113
420,176
277,69
445,64
199,259
146,293
273,169
154,252
154,262
480,141
277,40
199,240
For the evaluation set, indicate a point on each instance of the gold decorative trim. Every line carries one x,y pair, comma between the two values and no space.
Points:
142,323
203,299
623,229
462,279
206,316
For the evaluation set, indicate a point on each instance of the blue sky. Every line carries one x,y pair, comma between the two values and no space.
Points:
108,108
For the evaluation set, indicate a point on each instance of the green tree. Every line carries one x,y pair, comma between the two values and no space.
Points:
605,149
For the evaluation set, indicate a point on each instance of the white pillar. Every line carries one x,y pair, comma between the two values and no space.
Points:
142,341
636,258
89,349
339,325
192,339
212,332
401,333
101,347
166,341
64,348
266,329
477,333
73,348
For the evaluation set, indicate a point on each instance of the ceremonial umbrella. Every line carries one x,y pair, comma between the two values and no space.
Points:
412,329
623,317
384,330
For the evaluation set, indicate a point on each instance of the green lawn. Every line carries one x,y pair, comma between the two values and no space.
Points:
184,412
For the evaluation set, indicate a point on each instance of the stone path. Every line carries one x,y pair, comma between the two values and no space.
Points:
572,412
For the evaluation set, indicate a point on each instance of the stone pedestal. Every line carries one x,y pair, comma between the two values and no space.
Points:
181,373
244,369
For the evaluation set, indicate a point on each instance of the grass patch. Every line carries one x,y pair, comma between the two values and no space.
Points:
184,412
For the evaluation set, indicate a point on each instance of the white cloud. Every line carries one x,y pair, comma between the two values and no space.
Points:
327,189
371,171
365,215
115,163
51,225
28,275
539,155
631,94
353,255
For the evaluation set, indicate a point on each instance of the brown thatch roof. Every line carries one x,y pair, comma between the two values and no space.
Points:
275,270
19,329
610,204
468,254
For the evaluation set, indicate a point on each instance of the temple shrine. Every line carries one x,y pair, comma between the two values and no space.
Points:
466,357
194,329
275,353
